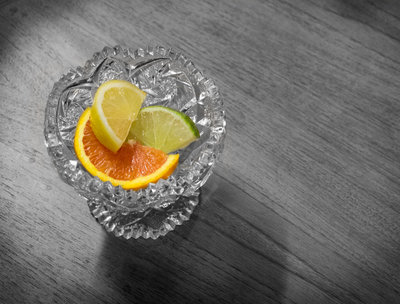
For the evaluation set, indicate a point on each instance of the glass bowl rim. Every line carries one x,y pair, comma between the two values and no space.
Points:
73,173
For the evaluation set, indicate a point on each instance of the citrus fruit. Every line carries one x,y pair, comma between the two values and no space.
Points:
116,104
163,128
133,166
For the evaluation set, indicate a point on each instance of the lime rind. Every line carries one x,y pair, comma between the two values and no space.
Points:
189,121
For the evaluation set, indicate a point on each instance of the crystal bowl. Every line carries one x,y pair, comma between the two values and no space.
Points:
170,79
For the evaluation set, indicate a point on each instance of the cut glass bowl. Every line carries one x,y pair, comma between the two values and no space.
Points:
170,79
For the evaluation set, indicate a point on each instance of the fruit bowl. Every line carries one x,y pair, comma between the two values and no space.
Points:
169,79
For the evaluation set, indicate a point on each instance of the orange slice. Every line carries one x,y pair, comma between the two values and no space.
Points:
133,166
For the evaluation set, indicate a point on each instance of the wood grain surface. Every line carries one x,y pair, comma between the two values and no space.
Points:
304,206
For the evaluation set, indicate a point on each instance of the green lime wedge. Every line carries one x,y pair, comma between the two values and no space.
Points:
163,128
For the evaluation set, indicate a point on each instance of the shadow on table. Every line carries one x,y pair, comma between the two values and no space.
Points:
229,252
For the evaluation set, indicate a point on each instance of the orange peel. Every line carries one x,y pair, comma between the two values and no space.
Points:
145,164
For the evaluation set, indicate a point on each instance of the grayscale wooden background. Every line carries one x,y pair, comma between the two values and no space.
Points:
304,206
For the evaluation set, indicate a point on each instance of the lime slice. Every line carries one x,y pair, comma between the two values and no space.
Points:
163,128
116,105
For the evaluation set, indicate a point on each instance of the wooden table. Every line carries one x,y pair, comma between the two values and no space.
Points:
304,205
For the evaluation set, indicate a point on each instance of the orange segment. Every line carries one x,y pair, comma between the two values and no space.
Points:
133,166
